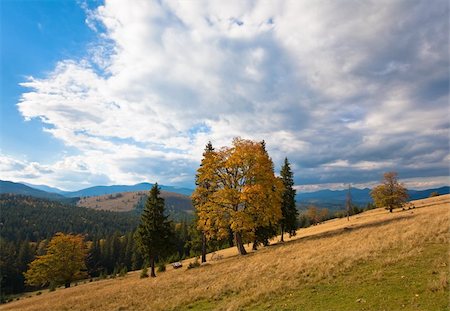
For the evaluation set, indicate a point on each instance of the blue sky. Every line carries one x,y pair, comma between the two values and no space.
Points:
120,92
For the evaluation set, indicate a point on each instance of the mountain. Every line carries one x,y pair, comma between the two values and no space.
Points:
45,188
179,206
104,190
336,199
18,188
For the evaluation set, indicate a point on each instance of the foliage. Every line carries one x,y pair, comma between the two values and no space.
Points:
288,221
154,234
35,219
144,273
237,190
390,194
194,264
63,262
434,194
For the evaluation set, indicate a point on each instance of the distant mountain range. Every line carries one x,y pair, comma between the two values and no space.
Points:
332,199
103,190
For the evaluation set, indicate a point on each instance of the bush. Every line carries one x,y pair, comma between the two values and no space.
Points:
123,272
144,273
52,287
161,267
194,264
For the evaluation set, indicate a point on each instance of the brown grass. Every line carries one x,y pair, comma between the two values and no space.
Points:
317,253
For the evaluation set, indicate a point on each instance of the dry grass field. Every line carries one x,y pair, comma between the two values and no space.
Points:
376,261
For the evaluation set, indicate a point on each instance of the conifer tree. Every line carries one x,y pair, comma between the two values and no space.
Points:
289,211
154,234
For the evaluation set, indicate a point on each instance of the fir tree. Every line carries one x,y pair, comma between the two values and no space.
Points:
154,234
289,211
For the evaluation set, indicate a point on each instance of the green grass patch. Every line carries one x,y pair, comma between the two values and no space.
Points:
415,283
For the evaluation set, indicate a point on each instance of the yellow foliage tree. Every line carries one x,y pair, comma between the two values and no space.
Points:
63,262
237,190
390,194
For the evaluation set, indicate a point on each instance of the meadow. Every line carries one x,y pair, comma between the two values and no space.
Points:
376,261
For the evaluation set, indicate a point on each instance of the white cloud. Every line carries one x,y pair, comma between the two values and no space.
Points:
332,85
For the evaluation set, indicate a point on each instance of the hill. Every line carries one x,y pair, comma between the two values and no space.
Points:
21,189
179,206
376,261
104,190
34,219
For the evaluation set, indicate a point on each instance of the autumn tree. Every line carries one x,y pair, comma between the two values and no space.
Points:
288,221
63,262
154,234
390,194
206,187
242,194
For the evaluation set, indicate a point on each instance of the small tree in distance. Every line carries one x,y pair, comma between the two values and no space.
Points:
390,194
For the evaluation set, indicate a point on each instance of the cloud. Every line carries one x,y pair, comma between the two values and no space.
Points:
346,90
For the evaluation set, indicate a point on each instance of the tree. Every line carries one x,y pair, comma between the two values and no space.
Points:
63,262
348,203
390,194
154,234
242,194
288,221
206,186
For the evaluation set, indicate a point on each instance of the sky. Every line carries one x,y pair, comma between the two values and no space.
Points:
122,92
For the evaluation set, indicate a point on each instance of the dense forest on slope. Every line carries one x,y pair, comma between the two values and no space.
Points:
27,224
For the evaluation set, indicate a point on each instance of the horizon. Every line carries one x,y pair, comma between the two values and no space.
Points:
297,188
98,93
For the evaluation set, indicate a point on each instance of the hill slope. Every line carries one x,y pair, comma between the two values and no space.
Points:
177,205
18,188
375,261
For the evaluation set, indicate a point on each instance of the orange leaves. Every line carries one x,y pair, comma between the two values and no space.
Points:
237,189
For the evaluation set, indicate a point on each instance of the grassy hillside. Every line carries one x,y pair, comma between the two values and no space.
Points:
375,261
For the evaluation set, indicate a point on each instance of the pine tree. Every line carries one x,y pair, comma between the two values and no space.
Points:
289,211
154,234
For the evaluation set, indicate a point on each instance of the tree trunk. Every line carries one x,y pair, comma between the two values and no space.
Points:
282,233
203,247
255,245
67,284
152,267
239,245
390,209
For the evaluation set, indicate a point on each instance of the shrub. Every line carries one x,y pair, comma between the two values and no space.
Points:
144,273
123,272
161,267
194,264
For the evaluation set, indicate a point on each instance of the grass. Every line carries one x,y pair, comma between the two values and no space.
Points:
377,261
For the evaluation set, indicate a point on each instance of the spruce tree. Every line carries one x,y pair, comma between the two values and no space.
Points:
289,211
154,234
